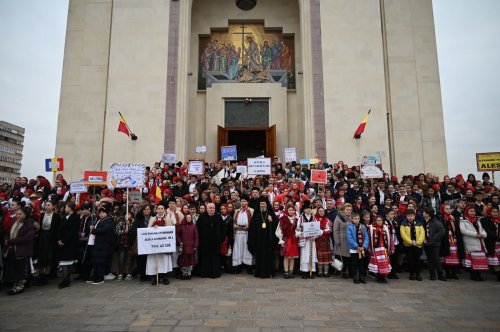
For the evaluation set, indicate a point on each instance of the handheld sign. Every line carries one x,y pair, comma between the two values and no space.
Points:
54,165
201,149
77,187
196,167
168,158
488,161
229,153
93,178
371,167
318,176
311,229
127,175
289,155
259,166
242,169
156,240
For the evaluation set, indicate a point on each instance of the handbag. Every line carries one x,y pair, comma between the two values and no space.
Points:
338,264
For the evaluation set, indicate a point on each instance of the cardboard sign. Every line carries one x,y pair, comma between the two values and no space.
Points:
168,158
93,178
311,229
259,166
289,155
135,197
242,169
156,240
371,167
229,153
488,161
127,175
54,165
196,167
318,176
77,187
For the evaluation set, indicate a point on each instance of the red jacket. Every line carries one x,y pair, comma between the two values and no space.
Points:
187,234
8,221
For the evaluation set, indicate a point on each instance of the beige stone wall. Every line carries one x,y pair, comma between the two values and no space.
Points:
137,80
83,87
354,82
415,89
208,14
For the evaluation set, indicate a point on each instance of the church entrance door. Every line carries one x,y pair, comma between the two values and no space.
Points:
250,141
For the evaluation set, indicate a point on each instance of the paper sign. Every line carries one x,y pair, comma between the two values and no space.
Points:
242,169
201,149
318,176
229,153
156,240
77,187
168,158
259,166
311,229
134,197
289,155
371,172
196,167
488,161
127,175
93,178
304,161
371,160
314,161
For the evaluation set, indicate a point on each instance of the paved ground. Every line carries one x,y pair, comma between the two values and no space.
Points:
245,303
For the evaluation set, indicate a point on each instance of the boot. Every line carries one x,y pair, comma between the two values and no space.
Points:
441,276
362,279
412,276
498,275
419,277
165,280
356,277
305,275
454,274
448,273
63,284
42,280
286,275
432,275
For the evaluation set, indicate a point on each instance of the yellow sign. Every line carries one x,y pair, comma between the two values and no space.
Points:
488,161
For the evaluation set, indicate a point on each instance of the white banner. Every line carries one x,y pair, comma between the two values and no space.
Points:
371,172
289,155
126,175
242,169
77,187
157,240
201,149
259,166
311,229
168,158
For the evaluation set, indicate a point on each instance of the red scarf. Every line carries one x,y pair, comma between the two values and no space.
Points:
287,227
380,236
159,221
361,236
323,221
249,216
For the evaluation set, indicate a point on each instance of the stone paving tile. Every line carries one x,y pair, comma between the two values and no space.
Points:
243,303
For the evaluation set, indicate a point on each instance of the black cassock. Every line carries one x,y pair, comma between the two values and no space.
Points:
210,233
262,242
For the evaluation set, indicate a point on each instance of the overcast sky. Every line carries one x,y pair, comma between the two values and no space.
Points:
32,34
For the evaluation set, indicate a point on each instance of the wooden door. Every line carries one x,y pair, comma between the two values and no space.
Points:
222,139
271,141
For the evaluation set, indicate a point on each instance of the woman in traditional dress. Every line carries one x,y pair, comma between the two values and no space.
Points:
380,249
324,251
68,243
158,265
449,249
47,242
491,224
288,240
473,236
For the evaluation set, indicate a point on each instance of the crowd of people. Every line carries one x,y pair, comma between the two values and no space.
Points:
229,223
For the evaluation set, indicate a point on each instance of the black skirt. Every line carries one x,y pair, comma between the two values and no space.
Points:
45,249
15,269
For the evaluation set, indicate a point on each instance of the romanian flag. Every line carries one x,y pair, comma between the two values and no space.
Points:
122,126
361,128
158,196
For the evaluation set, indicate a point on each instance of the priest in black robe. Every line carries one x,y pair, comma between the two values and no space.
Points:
210,233
262,239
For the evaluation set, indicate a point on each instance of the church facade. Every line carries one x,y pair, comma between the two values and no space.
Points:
261,75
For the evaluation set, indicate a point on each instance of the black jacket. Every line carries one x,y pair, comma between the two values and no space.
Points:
435,232
492,235
104,240
68,235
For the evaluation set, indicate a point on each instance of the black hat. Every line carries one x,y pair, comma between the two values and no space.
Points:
263,199
486,175
86,207
351,175
179,164
103,208
244,197
162,203
256,188
294,163
306,205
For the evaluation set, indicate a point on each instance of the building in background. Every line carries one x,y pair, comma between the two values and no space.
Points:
11,151
259,74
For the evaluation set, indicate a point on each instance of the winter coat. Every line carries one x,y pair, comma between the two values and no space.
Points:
104,240
405,230
340,235
435,232
492,235
352,237
469,232
24,242
68,234
187,235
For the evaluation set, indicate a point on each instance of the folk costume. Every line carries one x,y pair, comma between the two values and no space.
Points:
286,234
492,242
475,253
308,253
174,218
226,248
324,251
380,247
241,255
160,264
187,240
449,247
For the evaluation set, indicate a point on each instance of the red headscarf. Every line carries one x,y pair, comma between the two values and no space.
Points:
447,217
468,216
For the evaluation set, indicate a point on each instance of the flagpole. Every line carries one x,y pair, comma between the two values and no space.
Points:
126,124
